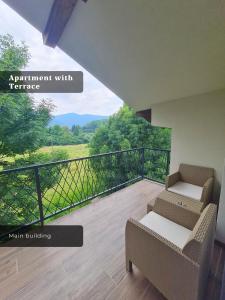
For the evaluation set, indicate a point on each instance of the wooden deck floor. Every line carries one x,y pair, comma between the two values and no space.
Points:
97,270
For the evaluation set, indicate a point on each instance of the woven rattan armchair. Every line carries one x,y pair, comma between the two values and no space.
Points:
174,258
195,182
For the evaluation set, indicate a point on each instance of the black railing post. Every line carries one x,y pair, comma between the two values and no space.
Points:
38,189
167,162
142,162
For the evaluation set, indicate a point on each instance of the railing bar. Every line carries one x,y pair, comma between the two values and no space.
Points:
142,152
92,197
75,159
155,180
65,161
39,194
167,163
157,149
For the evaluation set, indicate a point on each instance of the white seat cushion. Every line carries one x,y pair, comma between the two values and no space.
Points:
187,189
171,231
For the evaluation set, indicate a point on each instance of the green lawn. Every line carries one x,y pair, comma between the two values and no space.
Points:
74,151
69,188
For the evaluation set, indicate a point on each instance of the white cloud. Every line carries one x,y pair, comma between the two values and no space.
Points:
95,99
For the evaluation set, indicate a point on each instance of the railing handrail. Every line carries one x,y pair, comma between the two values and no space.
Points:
30,167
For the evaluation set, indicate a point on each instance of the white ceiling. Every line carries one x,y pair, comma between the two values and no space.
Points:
146,51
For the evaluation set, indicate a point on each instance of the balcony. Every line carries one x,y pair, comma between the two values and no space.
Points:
97,270
36,194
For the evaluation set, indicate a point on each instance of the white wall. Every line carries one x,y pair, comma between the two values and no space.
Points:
198,130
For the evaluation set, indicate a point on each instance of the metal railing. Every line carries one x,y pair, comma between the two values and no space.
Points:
33,194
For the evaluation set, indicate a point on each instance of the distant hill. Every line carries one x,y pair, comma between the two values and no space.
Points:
74,119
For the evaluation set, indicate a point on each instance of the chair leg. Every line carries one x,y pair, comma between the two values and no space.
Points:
128,265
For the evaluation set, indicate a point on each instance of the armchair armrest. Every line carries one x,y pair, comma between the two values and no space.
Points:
161,262
177,213
172,179
207,191
150,205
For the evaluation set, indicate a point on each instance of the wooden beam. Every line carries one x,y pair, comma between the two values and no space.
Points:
146,114
59,16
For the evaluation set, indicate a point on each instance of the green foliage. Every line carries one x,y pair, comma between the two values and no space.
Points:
19,203
13,57
93,125
22,125
125,130
58,135
76,129
62,135
23,129
38,158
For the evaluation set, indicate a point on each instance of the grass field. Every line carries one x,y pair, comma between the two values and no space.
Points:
72,189
74,151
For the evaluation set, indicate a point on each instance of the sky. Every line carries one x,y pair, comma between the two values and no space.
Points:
96,98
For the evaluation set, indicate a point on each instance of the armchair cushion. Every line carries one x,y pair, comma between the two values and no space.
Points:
187,190
175,233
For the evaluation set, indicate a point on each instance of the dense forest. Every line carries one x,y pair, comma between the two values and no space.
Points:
125,130
63,135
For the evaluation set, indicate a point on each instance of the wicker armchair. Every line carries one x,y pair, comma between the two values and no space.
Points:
175,259
194,182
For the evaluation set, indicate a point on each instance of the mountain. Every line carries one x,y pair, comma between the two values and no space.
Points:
74,119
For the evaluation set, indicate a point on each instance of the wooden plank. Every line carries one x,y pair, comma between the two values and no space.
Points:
8,268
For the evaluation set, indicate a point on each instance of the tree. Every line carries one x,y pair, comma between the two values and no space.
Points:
22,124
124,131
62,135
23,129
13,57
93,125
76,129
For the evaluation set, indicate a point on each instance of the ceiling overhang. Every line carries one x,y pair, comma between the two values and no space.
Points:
146,52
